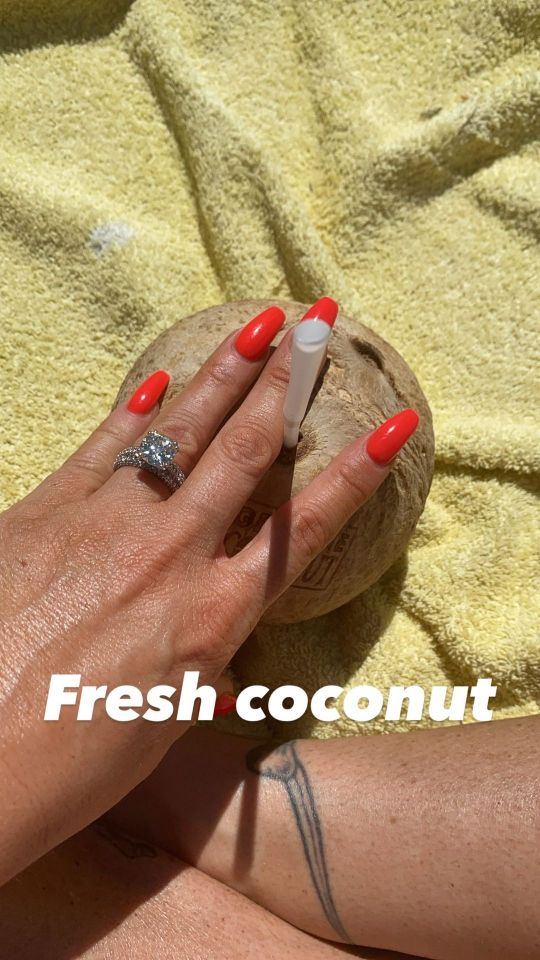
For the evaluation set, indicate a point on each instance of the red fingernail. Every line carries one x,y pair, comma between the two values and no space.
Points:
147,395
325,309
254,339
225,703
387,440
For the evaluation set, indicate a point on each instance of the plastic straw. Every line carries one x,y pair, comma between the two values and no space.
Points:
308,352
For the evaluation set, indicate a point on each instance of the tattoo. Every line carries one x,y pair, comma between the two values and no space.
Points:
126,845
284,765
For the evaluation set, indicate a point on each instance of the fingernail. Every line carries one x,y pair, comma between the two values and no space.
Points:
147,395
388,439
254,339
225,703
324,309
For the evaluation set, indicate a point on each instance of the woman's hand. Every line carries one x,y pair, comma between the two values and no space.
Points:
107,575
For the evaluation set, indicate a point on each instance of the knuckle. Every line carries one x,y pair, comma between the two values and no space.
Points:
210,644
310,530
109,431
89,459
220,373
248,445
85,462
351,477
213,642
277,376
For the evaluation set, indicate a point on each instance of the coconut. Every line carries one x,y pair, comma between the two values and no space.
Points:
364,382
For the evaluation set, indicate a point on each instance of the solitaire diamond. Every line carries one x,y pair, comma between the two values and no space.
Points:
156,454
157,449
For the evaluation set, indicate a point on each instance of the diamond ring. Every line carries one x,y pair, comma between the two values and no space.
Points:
155,453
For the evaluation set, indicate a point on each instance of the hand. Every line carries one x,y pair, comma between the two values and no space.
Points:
108,575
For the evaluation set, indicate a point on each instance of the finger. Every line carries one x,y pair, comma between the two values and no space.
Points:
193,417
92,464
239,456
301,528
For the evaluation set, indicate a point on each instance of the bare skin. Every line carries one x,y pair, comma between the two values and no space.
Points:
425,842
104,895
105,575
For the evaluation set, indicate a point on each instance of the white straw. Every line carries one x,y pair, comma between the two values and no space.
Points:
308,352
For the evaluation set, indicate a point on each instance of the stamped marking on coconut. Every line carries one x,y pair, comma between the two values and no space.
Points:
248,523
320,572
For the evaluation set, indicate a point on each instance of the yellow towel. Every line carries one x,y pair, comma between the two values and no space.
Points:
159,156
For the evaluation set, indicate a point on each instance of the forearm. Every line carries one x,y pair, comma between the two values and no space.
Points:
425,842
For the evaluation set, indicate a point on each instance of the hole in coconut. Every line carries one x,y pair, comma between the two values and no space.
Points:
306,444
368,351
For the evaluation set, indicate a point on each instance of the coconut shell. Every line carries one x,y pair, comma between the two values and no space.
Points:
365,381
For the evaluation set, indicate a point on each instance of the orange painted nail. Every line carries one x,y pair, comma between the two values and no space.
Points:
388,439
254,339
148,393
324,309
225,703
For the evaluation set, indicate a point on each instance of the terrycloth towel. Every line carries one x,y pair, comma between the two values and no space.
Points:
159,156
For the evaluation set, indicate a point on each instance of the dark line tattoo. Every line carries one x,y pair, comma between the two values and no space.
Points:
284,765
126,845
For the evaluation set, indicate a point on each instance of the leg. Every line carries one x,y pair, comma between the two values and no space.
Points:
421,842
105,896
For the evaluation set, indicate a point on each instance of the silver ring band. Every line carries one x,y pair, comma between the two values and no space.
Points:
155,453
